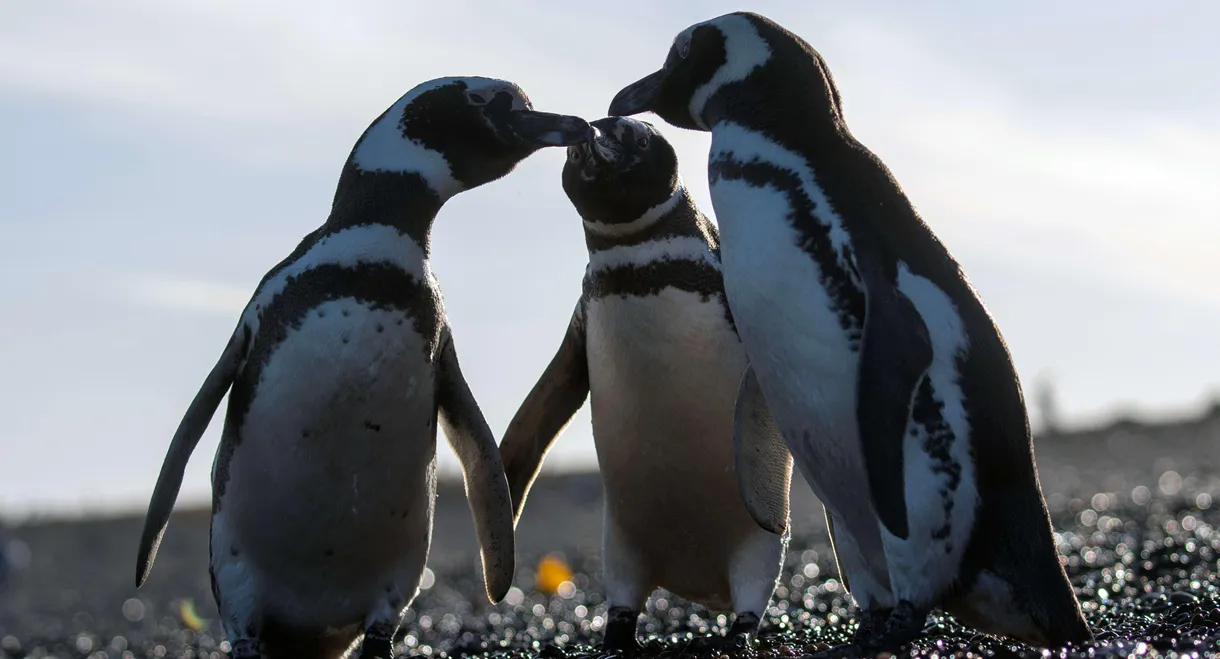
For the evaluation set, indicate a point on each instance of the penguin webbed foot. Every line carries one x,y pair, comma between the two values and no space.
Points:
871,626
880,631
739,636
620,630
245,648
378,642
905,624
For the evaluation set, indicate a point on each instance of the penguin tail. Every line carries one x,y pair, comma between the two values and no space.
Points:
1019,587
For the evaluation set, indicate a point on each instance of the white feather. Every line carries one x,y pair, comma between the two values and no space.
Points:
237,583
802,356
663,380
677,248
663,376
734,141
621,124
922,566
755,570
327,409
745,51
869,581
370,243
649,218
386,149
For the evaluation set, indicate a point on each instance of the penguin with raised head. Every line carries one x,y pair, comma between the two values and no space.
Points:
891,383
652,345
325,478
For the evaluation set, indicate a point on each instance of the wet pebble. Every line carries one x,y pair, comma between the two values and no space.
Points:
1145,569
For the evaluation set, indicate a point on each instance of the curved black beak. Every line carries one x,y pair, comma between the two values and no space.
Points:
547,129
603,146
639,96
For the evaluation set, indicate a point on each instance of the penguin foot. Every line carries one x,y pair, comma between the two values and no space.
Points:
620,630
743,631
904,625
848,651
739,636
881,631
245,648
710,644
871,625
378,642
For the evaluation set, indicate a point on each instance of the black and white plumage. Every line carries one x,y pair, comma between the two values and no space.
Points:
652,345
342,362
891,383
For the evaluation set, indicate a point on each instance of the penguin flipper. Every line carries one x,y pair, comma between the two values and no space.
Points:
486,488
550,405
190,429
762,460
895,356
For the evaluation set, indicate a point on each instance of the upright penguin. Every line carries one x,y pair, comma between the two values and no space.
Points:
887,376
652,344
325,477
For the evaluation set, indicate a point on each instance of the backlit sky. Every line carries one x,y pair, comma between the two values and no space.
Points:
156,158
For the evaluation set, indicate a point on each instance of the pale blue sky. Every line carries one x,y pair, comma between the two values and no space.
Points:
156,158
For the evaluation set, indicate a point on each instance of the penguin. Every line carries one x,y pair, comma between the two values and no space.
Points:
889,379
324,482
651,344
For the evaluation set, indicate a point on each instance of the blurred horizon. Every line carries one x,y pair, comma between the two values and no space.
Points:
158,158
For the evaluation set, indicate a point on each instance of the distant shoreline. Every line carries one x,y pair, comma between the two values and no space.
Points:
1129,424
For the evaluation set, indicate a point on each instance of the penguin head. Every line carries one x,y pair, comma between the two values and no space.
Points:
709,74
462,132
621,171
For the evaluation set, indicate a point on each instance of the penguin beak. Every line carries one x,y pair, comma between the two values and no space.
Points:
547,129
639,96
603,147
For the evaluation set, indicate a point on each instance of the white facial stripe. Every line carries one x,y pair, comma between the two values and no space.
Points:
731,140
649,218
620,125
744,51
623,124
489,87
350,247
676,248
386,149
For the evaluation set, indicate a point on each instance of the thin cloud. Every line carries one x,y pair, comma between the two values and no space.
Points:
255,106
191,296
1132,196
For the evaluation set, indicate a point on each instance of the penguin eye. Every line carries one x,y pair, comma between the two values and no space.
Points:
574,154
684,49
475,98
642,141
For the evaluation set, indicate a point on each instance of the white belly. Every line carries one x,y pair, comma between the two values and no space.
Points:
800,352
329,494
663,374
